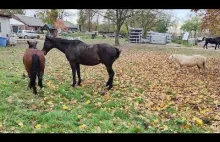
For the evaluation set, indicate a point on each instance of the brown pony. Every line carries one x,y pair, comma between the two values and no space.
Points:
34,62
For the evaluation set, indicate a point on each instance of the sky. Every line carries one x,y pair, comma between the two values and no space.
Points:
180,14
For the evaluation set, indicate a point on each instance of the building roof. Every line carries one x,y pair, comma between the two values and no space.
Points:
30,21
70,25
4,15
15,22
49,26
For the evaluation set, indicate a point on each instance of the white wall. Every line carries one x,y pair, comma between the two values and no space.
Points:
5,26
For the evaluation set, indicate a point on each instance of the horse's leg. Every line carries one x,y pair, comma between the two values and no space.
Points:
111,74
29,83
199,68
205,45
40,80
215,46
73,67
78,73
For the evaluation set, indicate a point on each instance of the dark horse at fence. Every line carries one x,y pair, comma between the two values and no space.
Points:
34,62
78,52
215,41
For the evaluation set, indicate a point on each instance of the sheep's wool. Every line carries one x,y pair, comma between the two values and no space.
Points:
189,61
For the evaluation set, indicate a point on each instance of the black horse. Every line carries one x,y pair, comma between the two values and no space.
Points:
215,41
78,52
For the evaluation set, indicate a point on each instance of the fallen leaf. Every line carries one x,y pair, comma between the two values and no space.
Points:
38,126
88,102
65,107
107,96
9,100
82,126
50,102
33,107
21,124
198,121
79,116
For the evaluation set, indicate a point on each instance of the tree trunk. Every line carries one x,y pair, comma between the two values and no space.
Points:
145,31
117,36
126,24
89,24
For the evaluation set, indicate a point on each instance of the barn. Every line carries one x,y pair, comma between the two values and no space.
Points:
4,25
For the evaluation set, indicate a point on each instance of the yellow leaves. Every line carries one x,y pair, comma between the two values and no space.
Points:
88,102
50,85
156,121
107,96
20,124
110,131
79,116
1,125
82,126
65,107
168,97
50,102
198,121
165,127
201,96
38,126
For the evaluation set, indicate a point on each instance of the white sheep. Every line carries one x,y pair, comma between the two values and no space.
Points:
189,61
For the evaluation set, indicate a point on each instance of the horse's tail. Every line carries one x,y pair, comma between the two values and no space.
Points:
34,69
118,52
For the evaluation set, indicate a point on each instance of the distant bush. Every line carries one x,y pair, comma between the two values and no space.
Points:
183,42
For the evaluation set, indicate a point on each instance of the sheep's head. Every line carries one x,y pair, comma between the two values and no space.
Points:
171,58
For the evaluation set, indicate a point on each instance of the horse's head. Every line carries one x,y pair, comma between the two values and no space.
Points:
32,44
203,38
171,58
48,45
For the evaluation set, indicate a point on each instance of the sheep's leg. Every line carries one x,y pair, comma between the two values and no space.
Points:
199,68
179,69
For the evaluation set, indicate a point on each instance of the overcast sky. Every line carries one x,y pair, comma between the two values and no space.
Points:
181,14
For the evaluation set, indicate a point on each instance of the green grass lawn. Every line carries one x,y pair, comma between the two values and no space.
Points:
147,96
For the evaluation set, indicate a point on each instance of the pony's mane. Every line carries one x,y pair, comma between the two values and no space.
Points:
61,40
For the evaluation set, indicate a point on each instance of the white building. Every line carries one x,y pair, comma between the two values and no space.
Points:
4,25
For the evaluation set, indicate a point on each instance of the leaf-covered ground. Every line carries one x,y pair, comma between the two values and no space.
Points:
148,95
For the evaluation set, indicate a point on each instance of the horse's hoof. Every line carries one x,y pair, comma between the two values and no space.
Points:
107,84
109,87
73,85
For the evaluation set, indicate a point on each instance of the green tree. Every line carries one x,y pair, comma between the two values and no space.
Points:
49,16
193,24
118,17
163,22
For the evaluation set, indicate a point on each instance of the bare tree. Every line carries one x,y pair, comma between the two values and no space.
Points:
62,13
148,18
90,14
12,11
82,19
118,17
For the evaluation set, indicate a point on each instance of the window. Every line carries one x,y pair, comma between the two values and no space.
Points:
0,27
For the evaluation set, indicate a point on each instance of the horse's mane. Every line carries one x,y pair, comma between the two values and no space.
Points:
61,40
